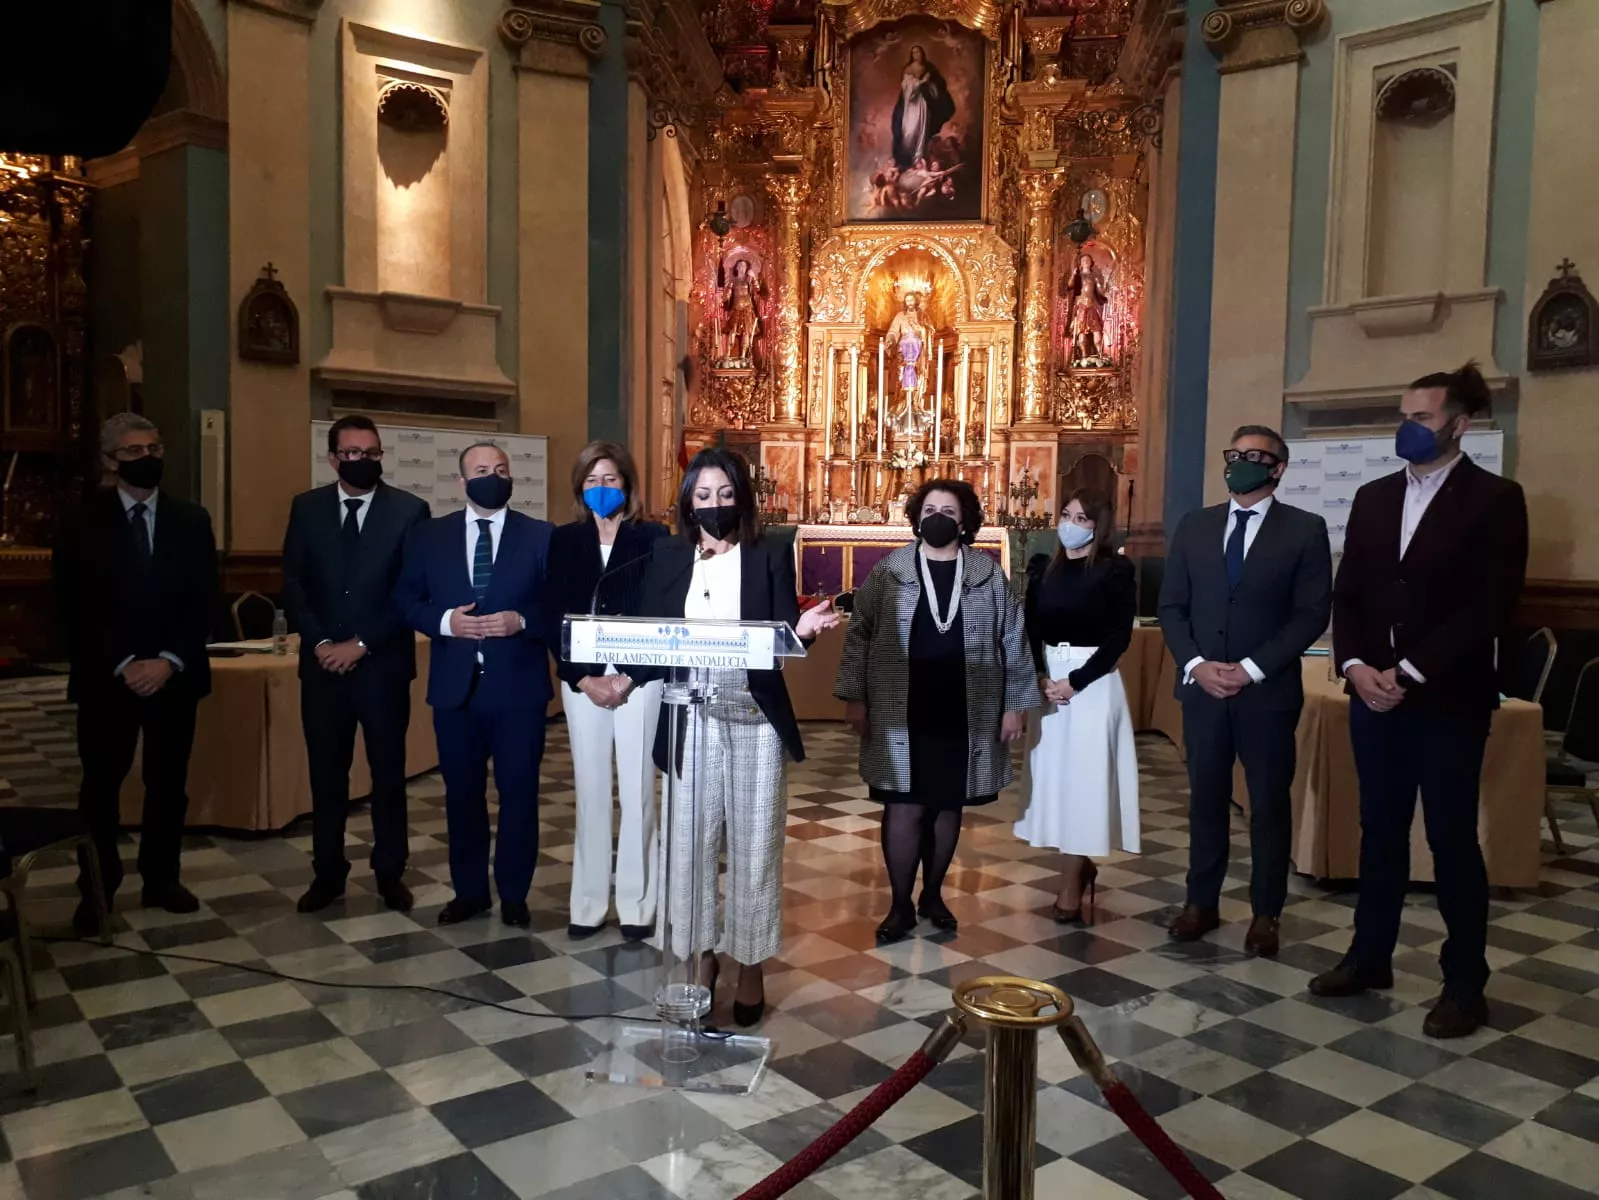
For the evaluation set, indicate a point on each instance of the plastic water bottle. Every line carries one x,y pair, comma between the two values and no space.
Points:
280,632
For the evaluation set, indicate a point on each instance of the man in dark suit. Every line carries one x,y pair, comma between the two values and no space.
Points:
341,558
1247,590
1434,561
135,583
474,581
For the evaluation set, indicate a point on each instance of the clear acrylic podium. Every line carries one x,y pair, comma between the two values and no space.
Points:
692,655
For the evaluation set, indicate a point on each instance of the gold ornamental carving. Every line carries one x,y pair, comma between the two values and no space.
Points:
1038,189
860,15
556,37
1248,34
983,262
787,192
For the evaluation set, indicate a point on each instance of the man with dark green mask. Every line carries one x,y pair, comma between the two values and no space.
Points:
1247,589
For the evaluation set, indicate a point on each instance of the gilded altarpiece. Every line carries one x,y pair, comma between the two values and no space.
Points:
944,281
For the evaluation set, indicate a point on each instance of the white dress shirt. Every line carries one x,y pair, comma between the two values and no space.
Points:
1251,531
496,528
149,527
360,513
1420,492
716,590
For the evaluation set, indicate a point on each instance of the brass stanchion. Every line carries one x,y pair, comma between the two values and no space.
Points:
1013,1010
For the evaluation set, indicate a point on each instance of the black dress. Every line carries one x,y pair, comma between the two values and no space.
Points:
1070,602
935,709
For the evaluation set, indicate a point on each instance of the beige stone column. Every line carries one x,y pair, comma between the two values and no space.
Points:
1038,190
1557,436
789,361
554,42
269,221
1153,374
1257,42
643,264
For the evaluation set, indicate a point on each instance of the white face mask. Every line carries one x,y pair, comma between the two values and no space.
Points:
1074,536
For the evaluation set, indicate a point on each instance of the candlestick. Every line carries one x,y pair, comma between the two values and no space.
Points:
854,405
10,471
963,397
988,420
832,379
882,348
938,407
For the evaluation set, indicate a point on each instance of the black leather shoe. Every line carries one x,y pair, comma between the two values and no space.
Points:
174,899
1348,979
319,895
1193,923
637,933
580,933
459,910
896,927
1455,1016
745,1015
515,913
85,920
936,911
396,896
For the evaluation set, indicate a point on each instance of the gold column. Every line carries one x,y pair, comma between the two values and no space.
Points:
1038,189
787,191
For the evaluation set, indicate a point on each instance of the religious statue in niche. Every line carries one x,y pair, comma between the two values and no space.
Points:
1085,293
269,323
740,331
31,381
909,338
1564,324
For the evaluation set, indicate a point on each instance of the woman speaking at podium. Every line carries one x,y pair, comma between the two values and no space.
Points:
720,569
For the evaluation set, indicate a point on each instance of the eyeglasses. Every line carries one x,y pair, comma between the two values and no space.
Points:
1263,457
132,453
352,454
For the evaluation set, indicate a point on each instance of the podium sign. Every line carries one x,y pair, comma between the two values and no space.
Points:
697,645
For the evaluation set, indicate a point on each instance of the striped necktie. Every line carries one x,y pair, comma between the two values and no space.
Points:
483,559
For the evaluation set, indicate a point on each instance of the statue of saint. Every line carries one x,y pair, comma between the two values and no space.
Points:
1085,314
741,314
908,335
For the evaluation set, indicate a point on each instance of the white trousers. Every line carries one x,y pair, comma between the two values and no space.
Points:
599,736
744,796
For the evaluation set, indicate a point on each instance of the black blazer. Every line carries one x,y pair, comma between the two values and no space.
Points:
1279,608
107,608
324,599
575,583
769,594
1448,603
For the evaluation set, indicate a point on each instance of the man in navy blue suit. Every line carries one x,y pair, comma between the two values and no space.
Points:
473,581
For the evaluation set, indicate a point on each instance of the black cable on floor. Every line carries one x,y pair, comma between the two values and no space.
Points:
269,973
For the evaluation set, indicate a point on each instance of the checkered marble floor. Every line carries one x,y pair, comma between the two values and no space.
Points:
182,1081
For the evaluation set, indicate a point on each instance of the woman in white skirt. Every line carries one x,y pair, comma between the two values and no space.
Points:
1082,766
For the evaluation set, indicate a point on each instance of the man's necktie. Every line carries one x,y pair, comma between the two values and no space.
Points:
141,532
483,559
350,531
1235,547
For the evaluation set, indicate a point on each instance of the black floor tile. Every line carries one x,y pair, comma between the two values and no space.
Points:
329,1107
462,1177
1463,1121
1395,1052
96,1168
1483,1177
1124,1160
832,1070
412,1042
784,1137
1313,1172
1252,1043
536,1054
198,1092
288,1031
1157,1096
1284,1103
958,1149
1559,1067
483,1118
148,1025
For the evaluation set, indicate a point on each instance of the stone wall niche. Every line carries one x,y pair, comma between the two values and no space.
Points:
411,317
1407,212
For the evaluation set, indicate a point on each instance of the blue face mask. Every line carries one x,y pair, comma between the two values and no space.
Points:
604,501
1074,536
1416,443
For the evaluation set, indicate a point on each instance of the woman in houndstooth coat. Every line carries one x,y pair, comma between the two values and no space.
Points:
938,677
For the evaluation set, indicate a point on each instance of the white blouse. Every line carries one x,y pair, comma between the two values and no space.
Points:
715,592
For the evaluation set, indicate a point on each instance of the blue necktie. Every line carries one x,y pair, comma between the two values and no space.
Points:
482,560
1235,547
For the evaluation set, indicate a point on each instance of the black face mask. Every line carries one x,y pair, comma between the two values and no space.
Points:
938,530
718,521
489,492
361,474
141,472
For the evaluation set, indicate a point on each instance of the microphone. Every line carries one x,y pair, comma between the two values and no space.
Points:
618,568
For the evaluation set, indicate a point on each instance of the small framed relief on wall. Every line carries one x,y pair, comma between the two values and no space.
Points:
1562,331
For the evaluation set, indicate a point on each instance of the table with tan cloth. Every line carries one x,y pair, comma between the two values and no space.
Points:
249,769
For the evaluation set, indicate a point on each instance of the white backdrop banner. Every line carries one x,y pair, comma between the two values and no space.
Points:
1324,473
423,461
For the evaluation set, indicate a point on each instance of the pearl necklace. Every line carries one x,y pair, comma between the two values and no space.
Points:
944,625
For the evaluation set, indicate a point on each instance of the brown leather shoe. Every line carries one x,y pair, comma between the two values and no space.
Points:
1347,979
1193,923
1262,938
1455,1017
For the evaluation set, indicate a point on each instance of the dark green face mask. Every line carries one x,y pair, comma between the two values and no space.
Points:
1244,476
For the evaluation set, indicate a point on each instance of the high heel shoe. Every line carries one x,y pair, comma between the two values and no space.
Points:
896,927
936,911
745,1015
1074,916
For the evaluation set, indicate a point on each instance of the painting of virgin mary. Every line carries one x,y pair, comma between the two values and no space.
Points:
916,123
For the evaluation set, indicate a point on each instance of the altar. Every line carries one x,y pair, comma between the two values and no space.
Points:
838,558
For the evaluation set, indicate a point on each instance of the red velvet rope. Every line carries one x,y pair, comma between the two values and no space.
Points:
1125,1105
849,1127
